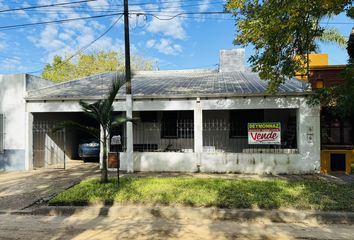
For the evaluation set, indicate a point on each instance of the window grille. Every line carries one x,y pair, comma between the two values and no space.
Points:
239,120
177,124
226,131
2,132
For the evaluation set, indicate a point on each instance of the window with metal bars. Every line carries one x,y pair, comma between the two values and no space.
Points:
177,124
336,130
2,132
239,120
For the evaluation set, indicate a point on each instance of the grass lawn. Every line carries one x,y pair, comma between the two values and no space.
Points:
353,168
208,192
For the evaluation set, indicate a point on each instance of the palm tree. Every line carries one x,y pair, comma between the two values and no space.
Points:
332,35
102,112
329,35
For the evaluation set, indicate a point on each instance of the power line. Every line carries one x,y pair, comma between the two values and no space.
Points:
88,45
169,17
16,26
158,16
189,5
55,8
82,1
158,8
56,21
98,38
45,6
339,23
105,10
202,18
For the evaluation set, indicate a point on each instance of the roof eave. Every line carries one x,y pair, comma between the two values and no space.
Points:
149,97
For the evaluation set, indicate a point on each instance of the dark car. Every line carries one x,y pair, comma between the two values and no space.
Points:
89,149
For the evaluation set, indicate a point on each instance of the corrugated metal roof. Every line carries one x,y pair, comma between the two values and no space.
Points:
169,84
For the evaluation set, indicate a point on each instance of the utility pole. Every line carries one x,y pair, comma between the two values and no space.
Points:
128,89
127,48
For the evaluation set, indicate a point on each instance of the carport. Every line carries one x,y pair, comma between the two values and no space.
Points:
52,149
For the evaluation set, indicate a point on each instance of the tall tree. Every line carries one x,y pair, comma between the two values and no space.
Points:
89,64
332,35
340,98
280,31
59,70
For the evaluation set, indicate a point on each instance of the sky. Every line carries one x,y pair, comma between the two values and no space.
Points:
183,42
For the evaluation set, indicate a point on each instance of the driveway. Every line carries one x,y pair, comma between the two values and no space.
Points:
19,190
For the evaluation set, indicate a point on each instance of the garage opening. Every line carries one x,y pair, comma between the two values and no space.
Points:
51,150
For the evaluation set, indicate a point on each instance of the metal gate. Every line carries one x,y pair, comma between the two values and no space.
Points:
48,148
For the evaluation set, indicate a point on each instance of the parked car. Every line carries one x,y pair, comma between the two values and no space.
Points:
89,149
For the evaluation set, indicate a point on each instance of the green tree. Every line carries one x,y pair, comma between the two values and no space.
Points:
340,98
59,70
102,112
332,35
280,31
89,64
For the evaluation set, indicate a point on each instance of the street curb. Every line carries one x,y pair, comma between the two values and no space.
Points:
16,212
173,213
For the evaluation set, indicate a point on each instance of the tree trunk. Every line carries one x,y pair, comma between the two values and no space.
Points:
104,172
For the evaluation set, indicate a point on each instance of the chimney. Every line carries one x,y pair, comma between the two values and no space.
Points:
232,60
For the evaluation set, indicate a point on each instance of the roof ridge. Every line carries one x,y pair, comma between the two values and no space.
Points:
70,81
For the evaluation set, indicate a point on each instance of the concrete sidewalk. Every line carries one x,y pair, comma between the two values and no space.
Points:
154,228
197,213
19,190
27,193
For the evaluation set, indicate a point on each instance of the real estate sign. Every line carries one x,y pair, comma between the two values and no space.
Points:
264,133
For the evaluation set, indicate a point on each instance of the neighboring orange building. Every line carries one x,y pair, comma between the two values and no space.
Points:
337,141
322,74
326,76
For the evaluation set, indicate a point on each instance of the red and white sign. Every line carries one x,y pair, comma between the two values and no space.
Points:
264,133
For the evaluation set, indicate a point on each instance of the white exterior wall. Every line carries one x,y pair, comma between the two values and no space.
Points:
307,160
13,106
217,162
161,162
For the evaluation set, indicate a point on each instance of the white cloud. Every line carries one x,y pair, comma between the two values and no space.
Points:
96,25
204,5
107,44
12,65
64,36
164,46
22,14
67,38
173,27
99,4
47,38
3,46
150,43
3,41
3,5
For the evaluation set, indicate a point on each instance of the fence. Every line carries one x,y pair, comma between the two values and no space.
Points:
219,136
48,148
176,136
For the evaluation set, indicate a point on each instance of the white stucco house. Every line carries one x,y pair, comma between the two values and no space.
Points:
190,120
